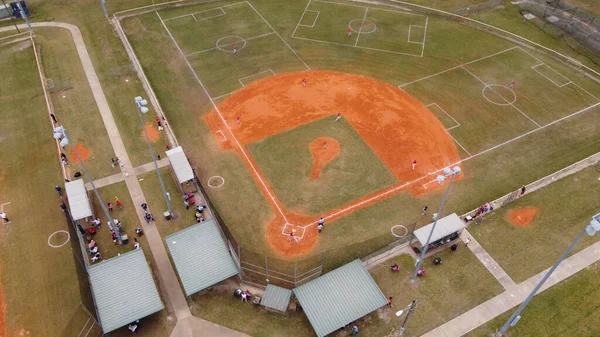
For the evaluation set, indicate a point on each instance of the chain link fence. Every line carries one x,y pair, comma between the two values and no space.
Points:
477,8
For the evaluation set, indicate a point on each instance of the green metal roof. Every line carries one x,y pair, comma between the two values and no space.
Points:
276,298
123,290
201,256
339,297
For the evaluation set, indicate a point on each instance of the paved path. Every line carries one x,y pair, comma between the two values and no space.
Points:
118,177
488,261
176,302
498,305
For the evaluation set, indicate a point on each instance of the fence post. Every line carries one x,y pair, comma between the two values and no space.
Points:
267,267
322,262
295,273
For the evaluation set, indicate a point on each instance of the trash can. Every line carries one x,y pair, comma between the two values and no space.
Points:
167,215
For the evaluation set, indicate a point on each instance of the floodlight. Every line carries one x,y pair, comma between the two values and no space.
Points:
456,170
138,99
64,142
143,102
440,179
447,171
144,109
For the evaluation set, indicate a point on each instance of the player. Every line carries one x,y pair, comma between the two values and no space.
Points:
234,49
303,82
414,164
512,84
339,115
349,32
237,120
324,144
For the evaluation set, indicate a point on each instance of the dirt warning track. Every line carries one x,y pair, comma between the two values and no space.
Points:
397,128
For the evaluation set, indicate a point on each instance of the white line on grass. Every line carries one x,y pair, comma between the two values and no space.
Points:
314,21
373,8
248,161
211,17
301,17
204,11
497,93
424,36
359,47
264,71
361,26
229,44
447,114
267,22
548,78
219,97
453,68
409,31
459,144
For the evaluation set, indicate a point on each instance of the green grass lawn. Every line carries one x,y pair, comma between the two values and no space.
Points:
446,5
565,207
286,161
569,308
39,283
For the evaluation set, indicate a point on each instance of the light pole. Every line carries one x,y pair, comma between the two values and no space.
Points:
103,2
61,133
411,307
24,15
440,178
590,229
141,104
12,16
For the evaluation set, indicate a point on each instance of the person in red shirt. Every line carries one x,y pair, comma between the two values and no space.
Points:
339,115
119,204
324,144
158,122
237,120
303,82
414,164
234,49
349,32
390,301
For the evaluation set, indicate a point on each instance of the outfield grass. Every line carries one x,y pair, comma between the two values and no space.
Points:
286,161
446,5
569,308
39,283
565,207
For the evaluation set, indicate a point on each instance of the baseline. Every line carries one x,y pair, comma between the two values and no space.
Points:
262,72
548,78
315,21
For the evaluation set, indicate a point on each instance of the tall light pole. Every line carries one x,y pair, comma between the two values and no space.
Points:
141,104
590,229
411,307
440,178
12,16
61,133
103,2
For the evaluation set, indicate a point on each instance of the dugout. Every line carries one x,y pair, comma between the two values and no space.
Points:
123,290
276,298
182,171
80,204
447,230
339,297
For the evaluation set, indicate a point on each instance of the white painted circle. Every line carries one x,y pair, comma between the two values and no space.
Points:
504,101
236,39
398,235
362,22
216,177
59,231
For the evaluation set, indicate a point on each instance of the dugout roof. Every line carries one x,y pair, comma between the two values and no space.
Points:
79,203
445,226
339,297
180,164
276,298
201,256
124,290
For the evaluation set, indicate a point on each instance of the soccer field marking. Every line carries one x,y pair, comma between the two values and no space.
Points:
222,135
456,67
204,11
459,144
359,47
410,30
240,147
509,103
301,17
424,36
315,21
2,206
238,40
373,8
447,114
262,72
230,44
215,16
219,97
361,26
273,29
491,86
548,78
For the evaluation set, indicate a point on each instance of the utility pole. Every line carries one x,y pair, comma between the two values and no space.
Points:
411,308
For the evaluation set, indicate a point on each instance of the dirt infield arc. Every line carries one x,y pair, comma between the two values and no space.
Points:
397,128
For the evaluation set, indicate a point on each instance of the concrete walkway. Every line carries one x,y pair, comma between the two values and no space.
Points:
485,258
498,305
118,177
168,281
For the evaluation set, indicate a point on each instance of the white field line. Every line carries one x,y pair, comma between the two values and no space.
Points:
315,20
264,71
548,78
223,120
361,26
373,8
459,144
447,114
10,36
222,134
360,47
453,68
6,203
267,22
424,36
204,11
511,104
410,30
358,204
229,44
219,97
301,17
211,17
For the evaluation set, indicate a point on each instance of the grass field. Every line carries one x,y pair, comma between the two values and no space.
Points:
565,207
567,308
39,283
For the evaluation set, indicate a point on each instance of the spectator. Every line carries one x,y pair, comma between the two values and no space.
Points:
148,217
145,207
395,267
320,227
136,244
354,330
390,301
453,248
58,190
96,257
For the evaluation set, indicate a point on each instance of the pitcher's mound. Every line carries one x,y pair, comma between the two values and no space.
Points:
84,153
522,217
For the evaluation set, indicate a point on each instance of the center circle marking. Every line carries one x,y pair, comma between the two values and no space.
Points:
235,39
361,22
491,87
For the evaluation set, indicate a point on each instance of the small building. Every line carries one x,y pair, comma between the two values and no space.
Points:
201,256
79,202
181,168
276,298
339,297
447,230
123,290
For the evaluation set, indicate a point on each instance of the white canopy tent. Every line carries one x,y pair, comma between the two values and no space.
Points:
180,165
444,227
79,203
